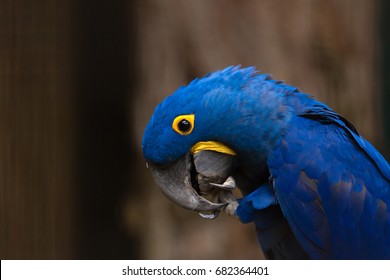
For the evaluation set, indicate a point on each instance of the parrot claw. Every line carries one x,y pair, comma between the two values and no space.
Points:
231,208
229,184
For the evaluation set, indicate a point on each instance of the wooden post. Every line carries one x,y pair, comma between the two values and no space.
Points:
37,206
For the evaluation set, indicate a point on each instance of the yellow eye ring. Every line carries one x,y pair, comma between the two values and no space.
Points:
184,124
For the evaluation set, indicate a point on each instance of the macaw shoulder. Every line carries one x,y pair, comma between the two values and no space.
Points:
330,183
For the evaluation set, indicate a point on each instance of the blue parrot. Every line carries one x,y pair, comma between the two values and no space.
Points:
313,187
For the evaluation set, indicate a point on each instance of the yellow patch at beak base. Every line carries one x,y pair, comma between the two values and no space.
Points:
212,146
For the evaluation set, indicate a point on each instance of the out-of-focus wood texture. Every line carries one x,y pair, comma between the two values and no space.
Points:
37,209
65,144
385,66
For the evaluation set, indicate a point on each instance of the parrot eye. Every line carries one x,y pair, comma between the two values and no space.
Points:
183,124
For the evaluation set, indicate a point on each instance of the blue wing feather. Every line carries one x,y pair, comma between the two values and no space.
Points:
334,192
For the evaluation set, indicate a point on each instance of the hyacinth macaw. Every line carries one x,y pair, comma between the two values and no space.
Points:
311,184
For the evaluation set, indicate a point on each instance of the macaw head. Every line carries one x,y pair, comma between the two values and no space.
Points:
233,112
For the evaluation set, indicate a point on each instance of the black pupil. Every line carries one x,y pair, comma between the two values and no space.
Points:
184,125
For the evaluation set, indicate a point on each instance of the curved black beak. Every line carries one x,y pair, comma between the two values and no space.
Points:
176,183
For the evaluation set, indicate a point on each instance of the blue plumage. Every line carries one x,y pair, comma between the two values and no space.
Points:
328,190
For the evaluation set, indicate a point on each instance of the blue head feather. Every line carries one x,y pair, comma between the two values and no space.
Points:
233,106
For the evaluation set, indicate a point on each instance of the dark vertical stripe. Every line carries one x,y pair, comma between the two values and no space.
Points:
104,148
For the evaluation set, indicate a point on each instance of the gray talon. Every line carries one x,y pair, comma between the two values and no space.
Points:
229,184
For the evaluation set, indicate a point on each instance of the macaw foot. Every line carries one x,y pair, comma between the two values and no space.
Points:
231,209
223,193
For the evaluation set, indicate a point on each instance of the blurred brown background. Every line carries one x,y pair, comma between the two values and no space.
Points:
80,79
